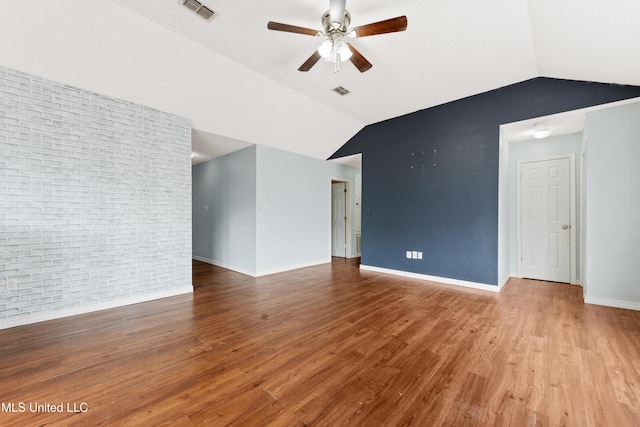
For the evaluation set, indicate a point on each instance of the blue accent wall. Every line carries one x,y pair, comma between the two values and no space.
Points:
430,178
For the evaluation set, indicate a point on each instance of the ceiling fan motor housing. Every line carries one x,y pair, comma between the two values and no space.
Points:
333,27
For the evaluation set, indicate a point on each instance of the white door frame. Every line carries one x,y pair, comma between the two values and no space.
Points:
348,212
572,210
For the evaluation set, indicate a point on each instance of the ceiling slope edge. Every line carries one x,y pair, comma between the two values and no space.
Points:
143,62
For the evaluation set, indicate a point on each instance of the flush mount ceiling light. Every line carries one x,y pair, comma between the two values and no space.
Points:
540,131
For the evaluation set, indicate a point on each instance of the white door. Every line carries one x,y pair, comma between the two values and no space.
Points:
338,219
545,212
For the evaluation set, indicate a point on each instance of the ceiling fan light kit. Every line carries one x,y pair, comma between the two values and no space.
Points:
336,23
335,49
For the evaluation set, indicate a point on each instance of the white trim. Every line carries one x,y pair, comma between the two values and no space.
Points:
292,267
629,305
504,206
572,211
503,282
260,273
348,212
224,265
58,314
446,280
583,214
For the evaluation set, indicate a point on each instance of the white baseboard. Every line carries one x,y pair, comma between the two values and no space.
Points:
293,267
629,305
58,314
503,282
224,265
446,280
262,272
575,282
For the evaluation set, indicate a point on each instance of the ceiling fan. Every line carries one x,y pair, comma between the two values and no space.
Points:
336,27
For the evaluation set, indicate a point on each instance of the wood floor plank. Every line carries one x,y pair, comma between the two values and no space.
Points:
330,345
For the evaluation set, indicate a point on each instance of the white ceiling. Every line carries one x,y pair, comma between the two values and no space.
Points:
239,82
558,124
206,146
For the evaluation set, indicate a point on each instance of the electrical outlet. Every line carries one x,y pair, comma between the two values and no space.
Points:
12,285
419,255
409,254
414,255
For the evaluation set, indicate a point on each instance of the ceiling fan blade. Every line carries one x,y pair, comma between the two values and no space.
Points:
310,62
336,10
387,26
277,26
358,60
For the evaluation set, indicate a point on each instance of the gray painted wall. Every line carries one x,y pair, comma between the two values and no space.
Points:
294,209
269,210
224,213
612,207
95,200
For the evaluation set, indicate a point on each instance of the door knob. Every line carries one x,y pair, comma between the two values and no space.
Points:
564,227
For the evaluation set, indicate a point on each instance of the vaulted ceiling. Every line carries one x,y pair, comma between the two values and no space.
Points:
239,82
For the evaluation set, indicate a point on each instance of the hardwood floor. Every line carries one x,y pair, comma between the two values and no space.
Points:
330,346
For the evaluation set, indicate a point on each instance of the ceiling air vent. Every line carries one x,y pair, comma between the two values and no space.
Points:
199,8
340,90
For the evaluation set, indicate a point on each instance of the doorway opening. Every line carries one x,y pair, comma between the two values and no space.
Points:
340,229
546,217
541,190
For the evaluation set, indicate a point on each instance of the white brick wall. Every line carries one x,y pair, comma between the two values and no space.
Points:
95,198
